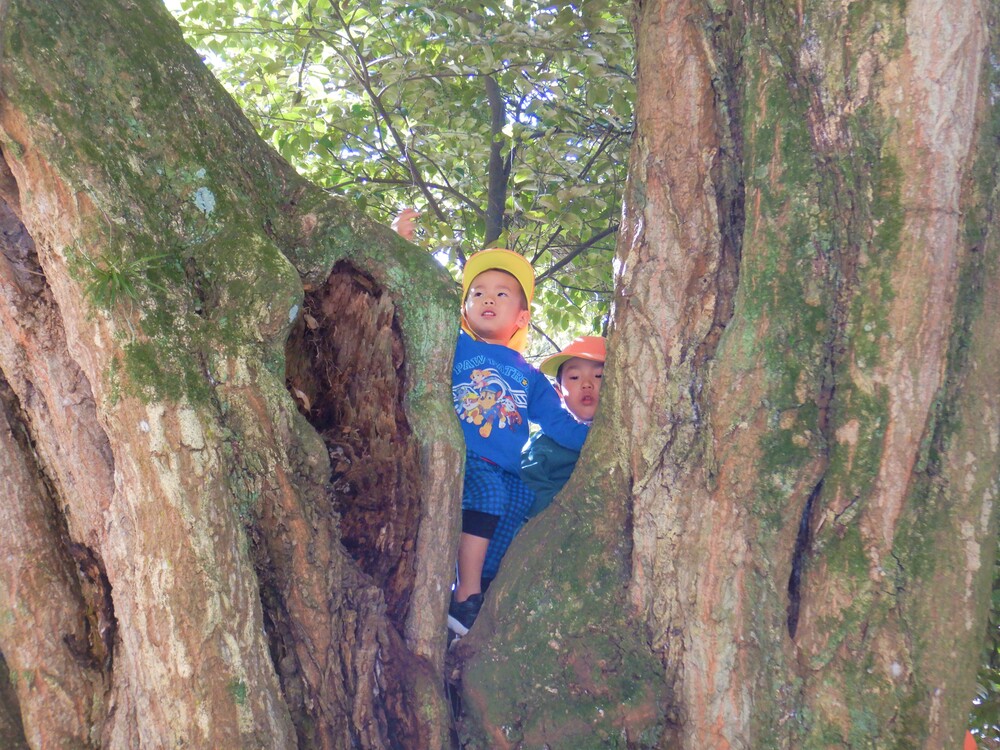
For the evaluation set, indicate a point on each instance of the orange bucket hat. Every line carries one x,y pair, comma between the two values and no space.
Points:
497,258
584,347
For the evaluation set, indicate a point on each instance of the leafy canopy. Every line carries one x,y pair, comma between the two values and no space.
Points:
505,123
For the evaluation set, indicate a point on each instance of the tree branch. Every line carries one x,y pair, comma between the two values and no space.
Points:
496,197
555,267
363,77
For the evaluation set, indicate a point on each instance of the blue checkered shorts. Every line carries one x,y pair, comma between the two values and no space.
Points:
490,489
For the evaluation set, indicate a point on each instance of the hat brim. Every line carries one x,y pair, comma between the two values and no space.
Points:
496,258
586,347
551,365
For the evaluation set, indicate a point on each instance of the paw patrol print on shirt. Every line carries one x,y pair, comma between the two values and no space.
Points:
487,400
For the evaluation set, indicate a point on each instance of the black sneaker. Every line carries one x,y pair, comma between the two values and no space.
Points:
461,615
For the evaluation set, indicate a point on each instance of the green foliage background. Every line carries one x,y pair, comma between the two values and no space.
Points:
399,103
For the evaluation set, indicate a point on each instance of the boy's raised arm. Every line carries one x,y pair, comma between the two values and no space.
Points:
546,410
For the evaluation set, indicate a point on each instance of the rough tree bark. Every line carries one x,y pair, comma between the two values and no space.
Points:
187,561
783,532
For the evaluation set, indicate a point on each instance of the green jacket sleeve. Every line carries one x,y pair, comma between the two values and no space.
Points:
545,467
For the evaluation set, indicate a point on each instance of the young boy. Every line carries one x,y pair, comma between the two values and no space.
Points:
545,464
495,393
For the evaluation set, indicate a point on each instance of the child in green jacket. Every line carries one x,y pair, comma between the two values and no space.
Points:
545,463
577,369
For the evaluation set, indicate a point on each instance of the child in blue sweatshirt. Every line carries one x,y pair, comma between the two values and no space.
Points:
496,394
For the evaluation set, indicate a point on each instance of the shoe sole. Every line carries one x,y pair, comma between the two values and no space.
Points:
456,627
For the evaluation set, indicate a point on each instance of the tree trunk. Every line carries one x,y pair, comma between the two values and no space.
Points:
189,561
783,527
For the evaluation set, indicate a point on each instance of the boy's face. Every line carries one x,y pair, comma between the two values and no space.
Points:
580,385
495,308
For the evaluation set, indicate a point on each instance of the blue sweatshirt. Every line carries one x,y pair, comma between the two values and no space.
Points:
496,394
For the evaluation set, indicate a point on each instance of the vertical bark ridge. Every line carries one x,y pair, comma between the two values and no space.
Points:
52,387
680,259
58,661
49,399
952,499
830,91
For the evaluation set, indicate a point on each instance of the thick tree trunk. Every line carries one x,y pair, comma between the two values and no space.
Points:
798,442
232,465
180,567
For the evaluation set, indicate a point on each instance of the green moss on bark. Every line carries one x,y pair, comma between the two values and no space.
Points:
559,661
218,211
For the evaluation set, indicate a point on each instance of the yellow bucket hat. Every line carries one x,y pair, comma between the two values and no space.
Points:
497,258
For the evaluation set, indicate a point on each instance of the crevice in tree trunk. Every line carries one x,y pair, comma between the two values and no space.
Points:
281,633
345,370
97,650
727,176
9,193
802,542
17,246
11,729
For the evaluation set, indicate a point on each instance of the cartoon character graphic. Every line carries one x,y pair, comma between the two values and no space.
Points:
478,378
509,415
487,401
467,404
490,411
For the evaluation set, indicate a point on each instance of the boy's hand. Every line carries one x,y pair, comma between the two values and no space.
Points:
405,223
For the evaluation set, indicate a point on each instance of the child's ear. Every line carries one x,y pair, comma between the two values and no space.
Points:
523,318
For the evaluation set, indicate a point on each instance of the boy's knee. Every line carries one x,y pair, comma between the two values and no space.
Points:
479,524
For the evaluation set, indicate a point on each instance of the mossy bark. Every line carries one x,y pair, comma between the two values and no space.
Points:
156,256
789,495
